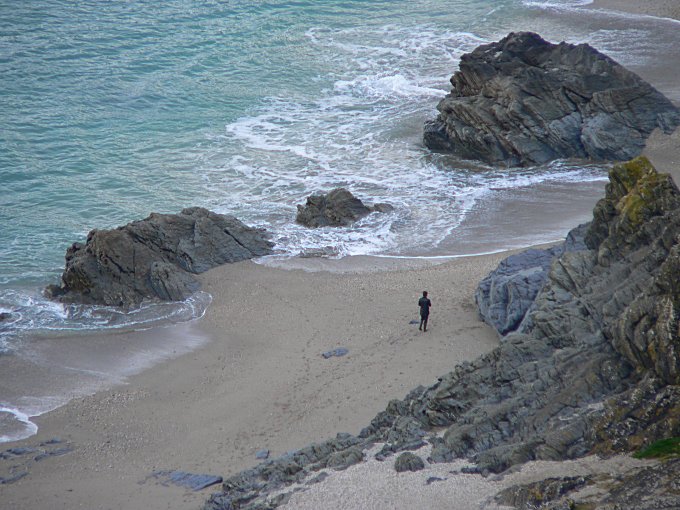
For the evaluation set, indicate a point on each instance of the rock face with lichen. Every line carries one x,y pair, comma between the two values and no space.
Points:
593,366
154,258
524,101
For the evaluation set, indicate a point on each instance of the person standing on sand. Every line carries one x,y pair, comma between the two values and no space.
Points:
424,303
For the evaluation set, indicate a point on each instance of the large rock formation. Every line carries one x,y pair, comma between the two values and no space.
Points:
594,365
505,295
154,258
338,208
525,101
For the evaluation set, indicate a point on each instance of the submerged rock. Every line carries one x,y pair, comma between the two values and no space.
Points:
336,209
525,101
154,258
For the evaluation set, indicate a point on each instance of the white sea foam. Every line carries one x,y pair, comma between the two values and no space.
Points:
18,423
364,134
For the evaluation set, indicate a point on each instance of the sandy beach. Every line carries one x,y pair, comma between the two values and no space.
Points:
260,381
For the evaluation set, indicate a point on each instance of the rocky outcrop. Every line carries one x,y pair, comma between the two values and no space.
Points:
507,293
336,209
154,258
649,488
592,367
525,101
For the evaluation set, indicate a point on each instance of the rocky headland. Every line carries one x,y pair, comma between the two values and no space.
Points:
590,364
525,101
155,258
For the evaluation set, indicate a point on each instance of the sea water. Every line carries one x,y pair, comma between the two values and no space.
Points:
112,110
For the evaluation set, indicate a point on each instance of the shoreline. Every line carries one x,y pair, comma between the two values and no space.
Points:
259,383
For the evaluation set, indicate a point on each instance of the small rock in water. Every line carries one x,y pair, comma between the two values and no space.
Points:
262,454
340,351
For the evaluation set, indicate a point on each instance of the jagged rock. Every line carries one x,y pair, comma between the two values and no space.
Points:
549,493
154,258
408,461
646,488
250,489
336,209
525,101
506,294
345,458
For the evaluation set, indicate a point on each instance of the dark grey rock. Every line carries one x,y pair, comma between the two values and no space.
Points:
54,440
343,459
5,316
195,482
507,293
22,450
318,478
339,352
645,488
550,491
336,209
262,454
53,453
408,461
12,478
525,101
154,258
434,479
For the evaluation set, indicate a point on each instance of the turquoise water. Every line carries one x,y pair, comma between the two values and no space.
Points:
112,110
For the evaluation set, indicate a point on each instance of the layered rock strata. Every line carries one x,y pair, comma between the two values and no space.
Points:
338,208
650,488
154,258
524,101
592,367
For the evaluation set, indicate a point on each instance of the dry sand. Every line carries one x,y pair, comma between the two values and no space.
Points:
261,382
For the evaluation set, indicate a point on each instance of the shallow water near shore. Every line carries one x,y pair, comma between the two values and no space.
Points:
115,111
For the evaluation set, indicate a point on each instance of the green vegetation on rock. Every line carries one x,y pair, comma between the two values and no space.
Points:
660,449
630,172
